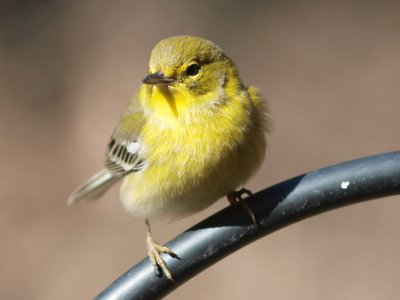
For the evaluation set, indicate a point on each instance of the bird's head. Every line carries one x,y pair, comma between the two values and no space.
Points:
187,72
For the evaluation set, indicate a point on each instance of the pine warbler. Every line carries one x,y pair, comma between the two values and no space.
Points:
192,134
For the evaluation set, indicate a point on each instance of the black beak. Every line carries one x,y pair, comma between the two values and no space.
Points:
157,79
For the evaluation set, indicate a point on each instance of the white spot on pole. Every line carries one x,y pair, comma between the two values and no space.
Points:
344,185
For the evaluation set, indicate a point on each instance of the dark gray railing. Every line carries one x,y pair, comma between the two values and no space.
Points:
275,207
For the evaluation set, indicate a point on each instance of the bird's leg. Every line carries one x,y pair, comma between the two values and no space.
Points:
153,250
236,197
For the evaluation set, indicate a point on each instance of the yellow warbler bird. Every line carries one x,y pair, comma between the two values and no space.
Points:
192,134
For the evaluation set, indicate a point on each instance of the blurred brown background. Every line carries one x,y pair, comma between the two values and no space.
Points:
330,70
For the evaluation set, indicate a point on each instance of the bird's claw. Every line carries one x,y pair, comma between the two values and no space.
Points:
236,197
154,251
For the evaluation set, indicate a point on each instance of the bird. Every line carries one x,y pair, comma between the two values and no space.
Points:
192,134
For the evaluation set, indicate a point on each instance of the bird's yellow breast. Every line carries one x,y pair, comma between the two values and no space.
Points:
195,157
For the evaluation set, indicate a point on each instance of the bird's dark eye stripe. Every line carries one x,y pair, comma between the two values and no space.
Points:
193,69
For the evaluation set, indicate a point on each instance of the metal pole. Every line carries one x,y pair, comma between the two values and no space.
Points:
276,207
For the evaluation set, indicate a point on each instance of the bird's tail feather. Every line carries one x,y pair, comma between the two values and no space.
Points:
94,187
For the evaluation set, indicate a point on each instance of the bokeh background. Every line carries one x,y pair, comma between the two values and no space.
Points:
330,70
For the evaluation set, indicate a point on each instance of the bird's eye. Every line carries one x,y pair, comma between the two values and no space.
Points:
193,70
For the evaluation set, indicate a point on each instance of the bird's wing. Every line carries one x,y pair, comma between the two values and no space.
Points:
123,150
122,156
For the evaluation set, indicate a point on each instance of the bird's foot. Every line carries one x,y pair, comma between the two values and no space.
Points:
154,251
239,197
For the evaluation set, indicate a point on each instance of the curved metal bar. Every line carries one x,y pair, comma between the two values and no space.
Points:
276,207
